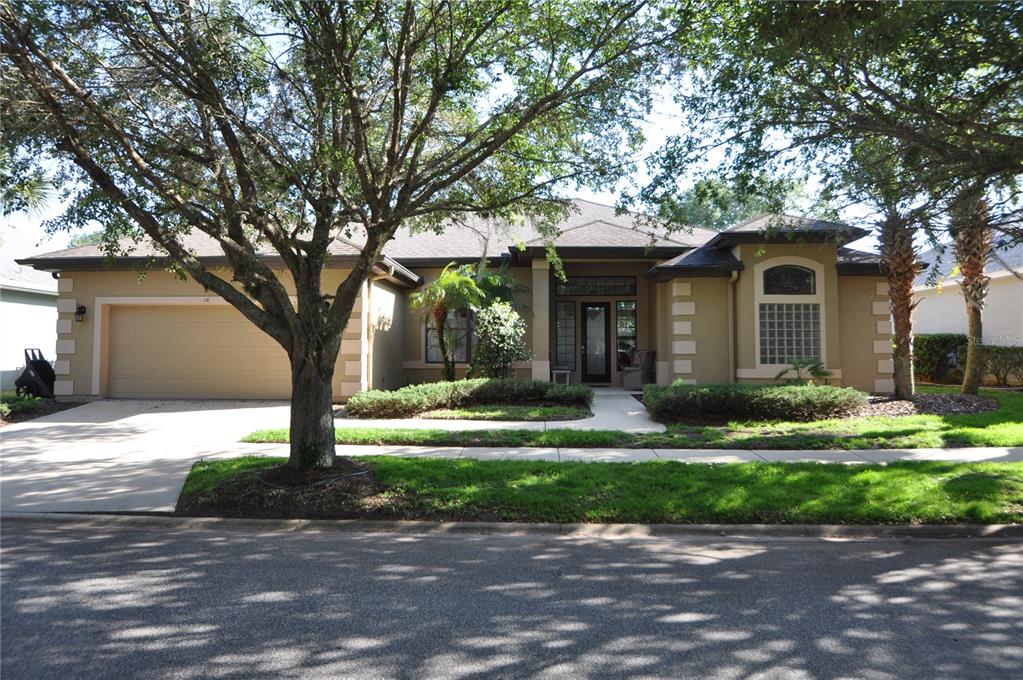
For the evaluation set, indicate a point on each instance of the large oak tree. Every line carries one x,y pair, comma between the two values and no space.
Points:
286,123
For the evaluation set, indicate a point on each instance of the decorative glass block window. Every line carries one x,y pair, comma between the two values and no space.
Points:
597,285
625,328
459,329
790,279
789,331
564,335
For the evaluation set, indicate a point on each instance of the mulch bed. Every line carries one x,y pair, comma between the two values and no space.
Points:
346,491
44,407
927,404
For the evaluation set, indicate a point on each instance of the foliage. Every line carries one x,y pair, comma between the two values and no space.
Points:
90,238
454,291
278,126
935,356
804,371
10,404
499,285
500,342
679,401
718,203
672,492
1002,427
416,399
1003,363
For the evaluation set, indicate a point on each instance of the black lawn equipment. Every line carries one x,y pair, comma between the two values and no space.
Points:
37,378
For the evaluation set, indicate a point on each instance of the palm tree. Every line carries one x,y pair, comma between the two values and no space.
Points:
898,259
972,239
455,290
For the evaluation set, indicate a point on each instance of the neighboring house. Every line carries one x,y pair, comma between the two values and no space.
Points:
716,307
941,308
28,306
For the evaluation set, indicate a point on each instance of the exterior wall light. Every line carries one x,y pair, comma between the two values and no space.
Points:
80,313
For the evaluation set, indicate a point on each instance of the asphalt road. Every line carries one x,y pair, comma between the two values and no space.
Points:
172,603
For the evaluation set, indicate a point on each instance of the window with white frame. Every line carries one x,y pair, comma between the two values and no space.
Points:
458,329
789,315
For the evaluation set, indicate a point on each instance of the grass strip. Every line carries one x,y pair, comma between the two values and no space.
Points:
673,492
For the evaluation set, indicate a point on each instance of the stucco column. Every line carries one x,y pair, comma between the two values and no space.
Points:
541,364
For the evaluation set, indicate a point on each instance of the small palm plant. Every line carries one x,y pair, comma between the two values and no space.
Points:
455,290
804,372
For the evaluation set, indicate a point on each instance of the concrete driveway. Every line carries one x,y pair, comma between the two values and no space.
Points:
120,455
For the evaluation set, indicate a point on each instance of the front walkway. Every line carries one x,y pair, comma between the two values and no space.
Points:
612,410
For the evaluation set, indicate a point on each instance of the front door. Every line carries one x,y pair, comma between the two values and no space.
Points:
596,342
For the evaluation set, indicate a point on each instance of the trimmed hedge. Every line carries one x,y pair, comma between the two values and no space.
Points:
416,399
941,357
676,402
935,356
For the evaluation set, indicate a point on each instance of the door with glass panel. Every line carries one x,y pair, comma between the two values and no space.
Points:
596,342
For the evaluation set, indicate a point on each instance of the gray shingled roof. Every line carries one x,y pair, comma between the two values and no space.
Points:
587,225
704,258
1006,258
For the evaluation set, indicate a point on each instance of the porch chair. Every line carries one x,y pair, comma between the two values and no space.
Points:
640,370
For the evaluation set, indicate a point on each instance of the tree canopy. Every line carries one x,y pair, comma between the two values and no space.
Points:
283,125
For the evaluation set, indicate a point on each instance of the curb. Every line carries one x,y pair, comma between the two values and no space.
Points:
606,531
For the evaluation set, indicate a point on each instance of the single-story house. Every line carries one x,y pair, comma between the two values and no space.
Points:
941,308
28,305
717,307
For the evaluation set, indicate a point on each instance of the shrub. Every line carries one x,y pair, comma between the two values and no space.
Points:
936,356
500,341
1003,363
416,399
751,402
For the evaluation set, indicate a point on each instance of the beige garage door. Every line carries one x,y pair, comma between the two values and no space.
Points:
199,351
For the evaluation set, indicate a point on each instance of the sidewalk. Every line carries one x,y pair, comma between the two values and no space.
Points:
612,410
864,457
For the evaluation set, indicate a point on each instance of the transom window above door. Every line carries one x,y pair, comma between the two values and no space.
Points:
790,279
597,285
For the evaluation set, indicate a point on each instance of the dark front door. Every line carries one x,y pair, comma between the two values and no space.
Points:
596,342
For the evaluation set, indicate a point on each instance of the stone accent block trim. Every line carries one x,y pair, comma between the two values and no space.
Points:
884,327
881,288
63,388
682,328
683,347
884,385
882,347
64,326
681,288
880,308
66,305
62,367
541,370
65,285
885,366
65,347
682,366
683,308
353,368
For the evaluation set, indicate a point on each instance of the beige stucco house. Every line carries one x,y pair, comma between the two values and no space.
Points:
716,307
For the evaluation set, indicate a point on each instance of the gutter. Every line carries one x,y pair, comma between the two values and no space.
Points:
369,330
25,287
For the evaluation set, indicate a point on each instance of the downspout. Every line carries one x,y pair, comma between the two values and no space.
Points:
369,322
732,343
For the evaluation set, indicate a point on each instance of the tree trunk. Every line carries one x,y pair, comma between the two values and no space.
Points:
312,412
974,369
971,234
900,266
440,320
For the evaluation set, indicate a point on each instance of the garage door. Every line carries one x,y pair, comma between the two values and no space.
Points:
199,351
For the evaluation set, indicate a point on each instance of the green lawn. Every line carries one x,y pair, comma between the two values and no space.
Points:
672,492
1003,427
509,412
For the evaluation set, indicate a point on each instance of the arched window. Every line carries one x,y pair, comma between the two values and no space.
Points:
790,279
